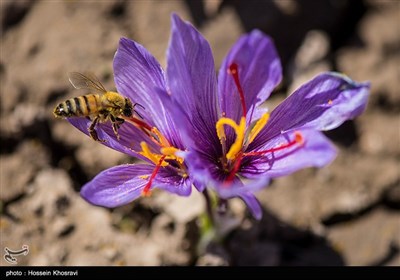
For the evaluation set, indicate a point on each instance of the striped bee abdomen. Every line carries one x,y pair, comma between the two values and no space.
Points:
80,106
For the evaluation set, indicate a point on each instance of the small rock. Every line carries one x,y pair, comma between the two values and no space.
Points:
379,134
23,116
305,75
95,157
368,239
216,255
181,209
142,15
378,61
18,169
13,12
314,48
211,260
349,184
310,59
392,196
169,238
222,32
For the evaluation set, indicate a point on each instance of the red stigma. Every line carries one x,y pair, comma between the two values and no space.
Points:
233,70
140,124
298,139
234,170
146,189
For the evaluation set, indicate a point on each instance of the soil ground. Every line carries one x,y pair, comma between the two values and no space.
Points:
347,213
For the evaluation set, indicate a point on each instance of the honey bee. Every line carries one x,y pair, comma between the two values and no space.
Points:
99,107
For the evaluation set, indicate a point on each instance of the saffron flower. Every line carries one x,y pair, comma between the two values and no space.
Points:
235,146
153,138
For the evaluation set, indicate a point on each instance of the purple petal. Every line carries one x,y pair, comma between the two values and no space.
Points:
238,187
259,70
203,169
130,136
197,169
138,75
172,182
205,172
117,186
200,187
323,103
316,151
175,120
192,81
253,204
122,184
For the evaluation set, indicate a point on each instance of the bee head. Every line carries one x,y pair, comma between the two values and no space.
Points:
127,111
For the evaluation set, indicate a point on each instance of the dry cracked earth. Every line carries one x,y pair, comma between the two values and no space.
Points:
347,213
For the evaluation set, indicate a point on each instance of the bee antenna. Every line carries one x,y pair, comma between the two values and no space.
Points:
137,111
140,105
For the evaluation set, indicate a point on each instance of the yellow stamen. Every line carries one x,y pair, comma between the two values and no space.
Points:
220,127
144,177
239,130
161,139
170,153
258,126
151,156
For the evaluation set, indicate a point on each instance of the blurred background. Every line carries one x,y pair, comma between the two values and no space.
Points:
347,213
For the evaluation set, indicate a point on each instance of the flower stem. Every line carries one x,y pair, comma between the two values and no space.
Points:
209,207
222,206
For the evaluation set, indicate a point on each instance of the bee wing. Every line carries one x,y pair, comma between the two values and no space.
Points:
87,80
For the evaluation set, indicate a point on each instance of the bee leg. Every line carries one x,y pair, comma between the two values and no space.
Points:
92,131
120,121
115,125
